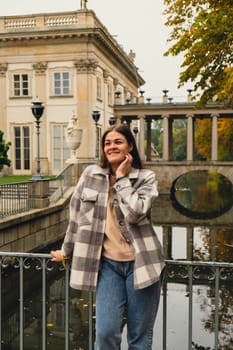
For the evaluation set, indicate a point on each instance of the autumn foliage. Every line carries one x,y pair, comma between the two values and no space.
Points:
203,32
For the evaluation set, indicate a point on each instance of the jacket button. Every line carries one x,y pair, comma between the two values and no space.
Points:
121,223
115,201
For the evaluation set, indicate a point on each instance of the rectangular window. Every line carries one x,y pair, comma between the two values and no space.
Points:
61,151
20,85
22,148
61,83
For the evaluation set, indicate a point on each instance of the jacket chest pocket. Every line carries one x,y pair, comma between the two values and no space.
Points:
88,199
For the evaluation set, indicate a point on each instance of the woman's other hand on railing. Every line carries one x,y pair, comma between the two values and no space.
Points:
56,255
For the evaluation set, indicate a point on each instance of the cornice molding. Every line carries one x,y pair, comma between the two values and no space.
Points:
71,28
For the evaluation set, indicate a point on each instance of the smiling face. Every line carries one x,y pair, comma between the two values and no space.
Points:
115,148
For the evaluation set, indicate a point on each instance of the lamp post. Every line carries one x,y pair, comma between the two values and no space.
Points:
96,117
112,120
135,130
37,111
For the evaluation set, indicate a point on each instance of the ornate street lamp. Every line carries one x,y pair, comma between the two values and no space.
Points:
37,111
112,120
117,94
141,93
135,130
96,117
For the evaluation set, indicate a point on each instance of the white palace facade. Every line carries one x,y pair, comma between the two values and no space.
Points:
71,63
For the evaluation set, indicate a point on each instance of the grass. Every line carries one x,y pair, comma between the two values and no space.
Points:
10,179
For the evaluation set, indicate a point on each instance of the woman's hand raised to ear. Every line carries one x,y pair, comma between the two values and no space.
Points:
125,166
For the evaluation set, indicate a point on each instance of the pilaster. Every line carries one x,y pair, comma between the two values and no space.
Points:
40,70
3,72
86,102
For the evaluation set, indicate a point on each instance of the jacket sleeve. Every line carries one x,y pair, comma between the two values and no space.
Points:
135,201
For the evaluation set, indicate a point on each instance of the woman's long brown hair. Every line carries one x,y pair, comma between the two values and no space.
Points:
126,132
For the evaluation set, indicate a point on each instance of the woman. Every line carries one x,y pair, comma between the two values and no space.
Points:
113,246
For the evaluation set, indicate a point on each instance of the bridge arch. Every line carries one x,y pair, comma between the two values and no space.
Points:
168,172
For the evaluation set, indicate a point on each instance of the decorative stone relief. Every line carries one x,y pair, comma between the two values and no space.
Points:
85,65
3,69
40,67
83,4
73,137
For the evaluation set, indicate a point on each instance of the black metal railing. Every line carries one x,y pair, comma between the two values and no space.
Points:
40,295
16,198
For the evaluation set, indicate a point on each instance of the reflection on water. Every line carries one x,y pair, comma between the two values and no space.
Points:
55,312
202,194
204,244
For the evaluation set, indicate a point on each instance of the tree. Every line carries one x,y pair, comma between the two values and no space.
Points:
4,147
203,139
203,31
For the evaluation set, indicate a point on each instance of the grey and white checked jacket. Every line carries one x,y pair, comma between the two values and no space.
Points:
132,199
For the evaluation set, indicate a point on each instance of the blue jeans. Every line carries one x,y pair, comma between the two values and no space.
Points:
116,297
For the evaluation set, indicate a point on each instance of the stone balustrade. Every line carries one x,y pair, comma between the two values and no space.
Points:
42,21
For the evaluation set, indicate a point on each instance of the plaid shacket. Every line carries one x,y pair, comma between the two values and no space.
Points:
132,199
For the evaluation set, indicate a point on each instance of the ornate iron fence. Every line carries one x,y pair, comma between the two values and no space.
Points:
36,303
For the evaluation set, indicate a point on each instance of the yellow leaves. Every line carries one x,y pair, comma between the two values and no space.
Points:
203,30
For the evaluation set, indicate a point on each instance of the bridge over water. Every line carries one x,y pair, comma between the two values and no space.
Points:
167,172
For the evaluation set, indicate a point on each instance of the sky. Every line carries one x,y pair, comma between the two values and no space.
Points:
136,25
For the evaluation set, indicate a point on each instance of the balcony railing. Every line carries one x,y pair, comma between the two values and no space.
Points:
32,294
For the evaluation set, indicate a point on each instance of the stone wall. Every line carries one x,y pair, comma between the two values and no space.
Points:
35,229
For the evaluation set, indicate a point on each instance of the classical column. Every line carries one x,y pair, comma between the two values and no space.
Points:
40,69
190,137
214,139
3,120
141,138
166,137
148,139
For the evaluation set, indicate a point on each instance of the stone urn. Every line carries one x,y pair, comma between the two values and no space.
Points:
73,137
